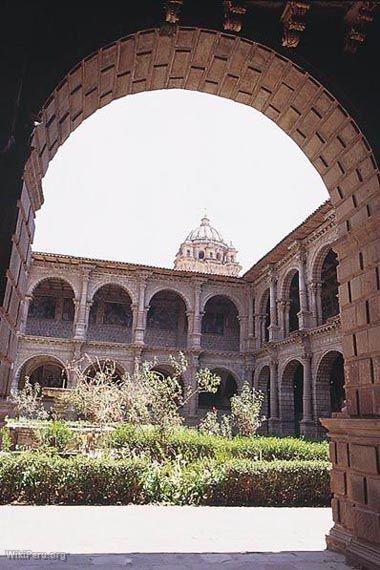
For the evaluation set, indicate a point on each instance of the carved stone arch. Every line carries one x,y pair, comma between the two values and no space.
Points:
285,364
172,289
35,361
235,300
97,285
318,259
65,278
284,284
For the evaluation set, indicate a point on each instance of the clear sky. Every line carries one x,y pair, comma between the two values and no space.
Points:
133,180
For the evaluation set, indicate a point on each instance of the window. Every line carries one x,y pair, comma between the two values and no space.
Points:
211,255
232,257
201,255
188,253
218,256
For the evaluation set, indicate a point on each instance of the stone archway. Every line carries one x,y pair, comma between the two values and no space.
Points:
252,74
291,398
329,384
48,371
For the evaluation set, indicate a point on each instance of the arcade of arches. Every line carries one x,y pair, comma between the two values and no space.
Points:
248,72
276,327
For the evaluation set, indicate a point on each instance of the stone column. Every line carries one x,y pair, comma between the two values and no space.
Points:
273,327
82,307
274,413
315,303
281,306
196,337
243,321
263,319
257,318
286,317
24,313
307,395
319,303
303,315
251,323
140,318
191,406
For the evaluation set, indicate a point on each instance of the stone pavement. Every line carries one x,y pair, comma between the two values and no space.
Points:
166,537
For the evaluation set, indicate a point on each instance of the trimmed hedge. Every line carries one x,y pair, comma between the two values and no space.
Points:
191,445
50,479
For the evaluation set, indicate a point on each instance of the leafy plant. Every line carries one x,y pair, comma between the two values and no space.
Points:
6,440
246,410
58,435
28,401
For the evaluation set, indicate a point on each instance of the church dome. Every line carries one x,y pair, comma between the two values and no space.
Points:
205,233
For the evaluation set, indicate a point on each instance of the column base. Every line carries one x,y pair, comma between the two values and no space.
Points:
354,455
357,553
274,425
307,428
304,320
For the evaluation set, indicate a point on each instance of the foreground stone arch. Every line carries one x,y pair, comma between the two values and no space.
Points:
47,370
249,73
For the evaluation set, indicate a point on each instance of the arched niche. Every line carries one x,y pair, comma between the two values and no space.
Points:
51,309
329,385
220,324
291,398
329,286
47,371
110,317
166,323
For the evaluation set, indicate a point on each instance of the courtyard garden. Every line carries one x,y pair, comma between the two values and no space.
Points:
120,440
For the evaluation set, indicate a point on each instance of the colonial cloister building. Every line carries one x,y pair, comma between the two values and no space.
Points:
277,326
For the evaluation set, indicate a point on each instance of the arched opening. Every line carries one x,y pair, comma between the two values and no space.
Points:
329,286
294,303
263,384
47,371
110,317
221,400
220,325
166,320
291,398
259,77
51,310
329,387
105,368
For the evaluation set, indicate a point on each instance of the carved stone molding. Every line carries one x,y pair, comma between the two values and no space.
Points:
358,17
294,22
234,11
172,17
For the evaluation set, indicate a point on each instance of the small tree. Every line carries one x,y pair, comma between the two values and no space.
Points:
144,397
246,410
153,398
28,401
96,398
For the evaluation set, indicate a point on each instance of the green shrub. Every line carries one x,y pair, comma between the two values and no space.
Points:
269,484
57,434
190,444
50,479
5,439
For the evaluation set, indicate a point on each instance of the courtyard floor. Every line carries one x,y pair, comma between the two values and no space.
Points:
166,537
